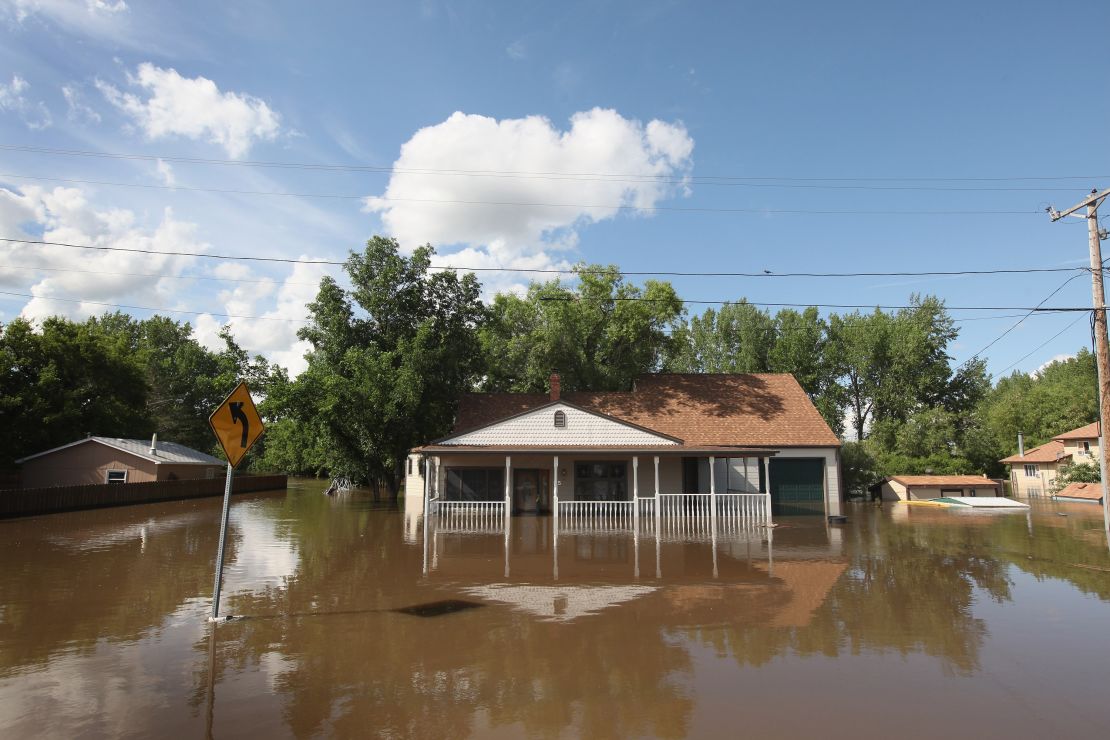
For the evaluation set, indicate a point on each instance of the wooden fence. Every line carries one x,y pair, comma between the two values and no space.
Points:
32,501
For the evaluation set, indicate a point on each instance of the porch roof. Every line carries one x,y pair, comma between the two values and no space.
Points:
661,450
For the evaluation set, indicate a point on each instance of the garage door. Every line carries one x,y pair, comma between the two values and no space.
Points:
797,486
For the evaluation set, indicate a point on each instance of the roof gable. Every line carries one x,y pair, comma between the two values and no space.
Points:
536,427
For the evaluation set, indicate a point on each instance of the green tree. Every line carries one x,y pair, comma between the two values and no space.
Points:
1083,472
389,359
738,338
62,383
598,334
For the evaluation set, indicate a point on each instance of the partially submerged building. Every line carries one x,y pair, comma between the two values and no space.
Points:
696,443
924,487
113,460
1033,472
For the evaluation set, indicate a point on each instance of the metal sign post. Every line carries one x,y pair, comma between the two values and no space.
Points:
237,426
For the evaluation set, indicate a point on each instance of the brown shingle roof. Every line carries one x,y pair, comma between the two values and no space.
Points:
1088,432
1048,452
1092,491
937,481
702,410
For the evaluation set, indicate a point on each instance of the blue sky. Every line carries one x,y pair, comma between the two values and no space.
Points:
704,122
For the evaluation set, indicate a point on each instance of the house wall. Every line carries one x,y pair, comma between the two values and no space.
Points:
170,471
1039,485
1074,447
84,464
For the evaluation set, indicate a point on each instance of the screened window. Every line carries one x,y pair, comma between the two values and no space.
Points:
1030,471
1087,448
601,481
475,484
560,419
115,476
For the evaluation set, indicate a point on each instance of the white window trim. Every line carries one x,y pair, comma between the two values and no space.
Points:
108,473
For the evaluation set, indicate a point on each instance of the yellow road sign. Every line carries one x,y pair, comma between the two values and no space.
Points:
237,424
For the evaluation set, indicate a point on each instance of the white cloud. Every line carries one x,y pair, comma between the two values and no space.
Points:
78,109
1056,358
616,164
273,332
96,16
64,215
165,172
34,113
172,105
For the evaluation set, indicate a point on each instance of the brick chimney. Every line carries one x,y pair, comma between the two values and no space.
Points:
554,386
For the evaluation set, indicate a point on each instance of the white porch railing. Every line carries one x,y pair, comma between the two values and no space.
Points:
744,505
469,514
599,514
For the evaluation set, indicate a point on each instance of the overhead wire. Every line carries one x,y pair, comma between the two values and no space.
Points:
1042,344
514,173
546,204
564,271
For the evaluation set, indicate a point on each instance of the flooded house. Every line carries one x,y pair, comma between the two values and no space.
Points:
1033,472
924,487
732,445
95,460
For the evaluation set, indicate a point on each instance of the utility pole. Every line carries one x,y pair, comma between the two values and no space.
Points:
1102,352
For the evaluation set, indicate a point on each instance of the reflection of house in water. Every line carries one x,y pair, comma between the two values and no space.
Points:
782,575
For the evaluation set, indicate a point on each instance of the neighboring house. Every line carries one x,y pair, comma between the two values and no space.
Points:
671,434
1033,471
921,487
1080,492
112,460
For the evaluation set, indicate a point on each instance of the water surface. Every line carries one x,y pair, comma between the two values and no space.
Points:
909,622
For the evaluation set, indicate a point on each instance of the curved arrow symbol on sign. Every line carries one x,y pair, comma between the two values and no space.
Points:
237,415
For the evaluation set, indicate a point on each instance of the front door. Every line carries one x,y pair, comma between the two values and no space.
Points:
526,491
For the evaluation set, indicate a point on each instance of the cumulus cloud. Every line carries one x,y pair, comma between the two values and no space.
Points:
13,99
272,332
195,108
1055,358
555,183
64,215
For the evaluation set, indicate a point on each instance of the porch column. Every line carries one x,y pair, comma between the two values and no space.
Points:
508,485
438,460
555,489
658,503
713,493
636,500
427,464
766,463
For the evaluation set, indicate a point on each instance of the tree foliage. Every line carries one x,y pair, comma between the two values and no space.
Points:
388,362
115,376
598,334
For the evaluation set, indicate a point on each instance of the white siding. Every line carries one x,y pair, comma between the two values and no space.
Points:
538,428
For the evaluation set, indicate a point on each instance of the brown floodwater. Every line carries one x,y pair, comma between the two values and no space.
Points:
903,622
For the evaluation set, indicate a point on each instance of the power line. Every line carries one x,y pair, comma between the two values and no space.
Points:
155,310
571,270
541,204
1019,321
1042,344
647,176
641,299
